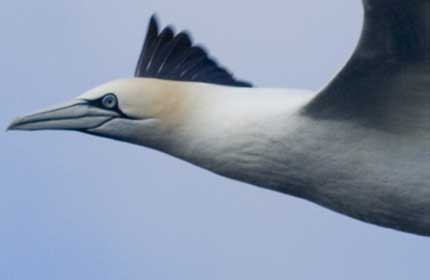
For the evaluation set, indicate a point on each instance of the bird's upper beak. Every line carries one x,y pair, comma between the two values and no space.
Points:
75,115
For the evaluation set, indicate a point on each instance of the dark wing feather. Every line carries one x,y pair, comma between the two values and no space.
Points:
159,51
386,83
151,37
173,57
176,46
198,56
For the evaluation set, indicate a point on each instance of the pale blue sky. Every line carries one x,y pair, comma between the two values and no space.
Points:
74,206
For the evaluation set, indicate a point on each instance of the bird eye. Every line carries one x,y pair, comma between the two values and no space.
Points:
109,101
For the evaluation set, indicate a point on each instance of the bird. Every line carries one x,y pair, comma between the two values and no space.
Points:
360,146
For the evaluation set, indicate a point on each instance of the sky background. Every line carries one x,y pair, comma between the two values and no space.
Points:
74,206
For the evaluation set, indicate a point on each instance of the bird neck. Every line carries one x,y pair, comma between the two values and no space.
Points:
238,133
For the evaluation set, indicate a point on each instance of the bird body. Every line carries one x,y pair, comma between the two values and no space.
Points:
261,136
360,146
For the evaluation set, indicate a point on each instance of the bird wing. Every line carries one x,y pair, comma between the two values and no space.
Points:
386,83
174,57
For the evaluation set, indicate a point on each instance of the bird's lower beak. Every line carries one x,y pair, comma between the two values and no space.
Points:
76,115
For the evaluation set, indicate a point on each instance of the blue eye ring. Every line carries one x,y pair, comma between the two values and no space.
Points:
109,101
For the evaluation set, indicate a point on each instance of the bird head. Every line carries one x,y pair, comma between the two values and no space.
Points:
134,110
170,75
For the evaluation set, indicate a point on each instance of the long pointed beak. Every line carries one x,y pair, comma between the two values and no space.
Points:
75,115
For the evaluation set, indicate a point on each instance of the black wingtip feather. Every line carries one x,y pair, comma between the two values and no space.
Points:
151,36
174,57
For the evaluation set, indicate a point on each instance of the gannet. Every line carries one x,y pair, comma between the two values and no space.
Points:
360,146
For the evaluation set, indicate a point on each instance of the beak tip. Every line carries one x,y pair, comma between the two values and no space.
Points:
13,125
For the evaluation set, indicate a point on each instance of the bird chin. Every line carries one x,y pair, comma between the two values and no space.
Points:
135,131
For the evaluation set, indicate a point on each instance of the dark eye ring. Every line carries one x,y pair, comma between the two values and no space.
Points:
109,101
